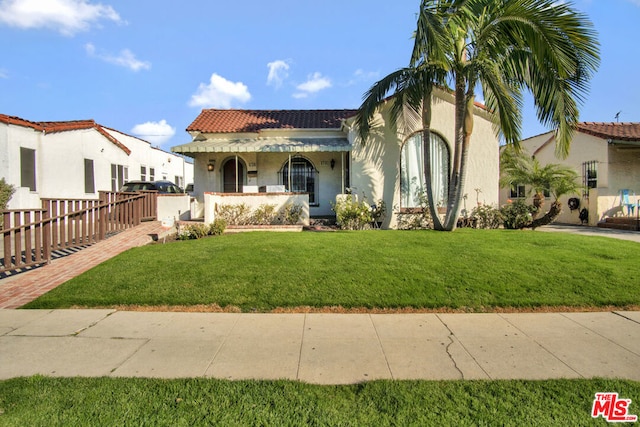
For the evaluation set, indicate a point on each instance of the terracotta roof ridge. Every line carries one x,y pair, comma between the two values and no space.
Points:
610,123
111,138
297,110
19,121
66,125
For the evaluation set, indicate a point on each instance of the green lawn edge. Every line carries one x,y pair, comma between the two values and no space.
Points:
42,400
468,270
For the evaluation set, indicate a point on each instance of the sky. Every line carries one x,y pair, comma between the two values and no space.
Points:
148,67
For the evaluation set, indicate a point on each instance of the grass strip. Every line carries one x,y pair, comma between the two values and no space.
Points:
45,401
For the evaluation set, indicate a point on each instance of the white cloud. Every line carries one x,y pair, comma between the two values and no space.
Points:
4,74
154,132
278,72
315,83
65,16
126,58
219,93
363,76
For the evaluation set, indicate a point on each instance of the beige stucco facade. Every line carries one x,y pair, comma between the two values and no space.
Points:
375,169
340,161
618,168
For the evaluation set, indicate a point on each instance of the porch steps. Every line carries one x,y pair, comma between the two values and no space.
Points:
621,223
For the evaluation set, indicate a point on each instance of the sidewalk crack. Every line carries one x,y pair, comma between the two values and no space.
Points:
453,360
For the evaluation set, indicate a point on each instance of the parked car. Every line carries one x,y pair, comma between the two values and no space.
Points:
164,187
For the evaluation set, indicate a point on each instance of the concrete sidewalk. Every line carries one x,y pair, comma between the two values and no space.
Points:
319,348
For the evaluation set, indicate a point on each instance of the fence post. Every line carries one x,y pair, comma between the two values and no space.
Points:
17,239
28,258
7,239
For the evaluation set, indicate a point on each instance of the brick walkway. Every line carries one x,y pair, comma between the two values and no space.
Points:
22,288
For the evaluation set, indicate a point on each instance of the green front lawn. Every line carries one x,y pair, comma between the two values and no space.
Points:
469,269
40,401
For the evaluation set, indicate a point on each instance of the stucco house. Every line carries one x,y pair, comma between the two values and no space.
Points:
607,158
317,152
77,159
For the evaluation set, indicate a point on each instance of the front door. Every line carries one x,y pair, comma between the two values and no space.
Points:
232,180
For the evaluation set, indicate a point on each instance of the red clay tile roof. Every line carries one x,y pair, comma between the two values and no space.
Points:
53,127
12,120
615,131
231,121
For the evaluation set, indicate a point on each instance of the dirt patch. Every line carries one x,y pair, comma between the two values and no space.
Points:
215,308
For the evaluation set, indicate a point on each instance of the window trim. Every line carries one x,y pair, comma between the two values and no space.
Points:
314,197
517,191
89,177
588,168
28,172
444,149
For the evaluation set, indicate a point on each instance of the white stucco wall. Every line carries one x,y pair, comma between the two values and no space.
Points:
174,206
11,139
166,165
254,200
376,164
60,162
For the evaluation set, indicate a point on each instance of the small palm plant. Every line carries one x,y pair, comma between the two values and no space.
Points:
517,167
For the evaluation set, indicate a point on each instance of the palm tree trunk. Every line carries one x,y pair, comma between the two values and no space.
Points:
554,211
426,147
538,203
463,130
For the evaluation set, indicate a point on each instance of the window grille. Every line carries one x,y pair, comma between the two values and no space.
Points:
590,175
303,178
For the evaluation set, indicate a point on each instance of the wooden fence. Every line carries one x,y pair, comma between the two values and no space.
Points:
30,236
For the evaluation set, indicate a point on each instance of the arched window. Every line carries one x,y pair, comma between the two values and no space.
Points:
412,178
300,178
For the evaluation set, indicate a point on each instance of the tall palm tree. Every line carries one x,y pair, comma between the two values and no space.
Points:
500,47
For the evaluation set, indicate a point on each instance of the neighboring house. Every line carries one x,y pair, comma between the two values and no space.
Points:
317,152
76,160
606,156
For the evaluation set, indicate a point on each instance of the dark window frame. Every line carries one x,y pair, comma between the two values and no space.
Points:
89,177
28,168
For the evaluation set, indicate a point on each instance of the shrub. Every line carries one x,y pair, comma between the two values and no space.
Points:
192,231
291,213
351,214
198,231
416,218
264,215
217,227
234,214
486,216
6,191
517,215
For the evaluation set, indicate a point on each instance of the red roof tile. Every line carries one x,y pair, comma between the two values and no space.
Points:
615,131
53,127
12,120
231,121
